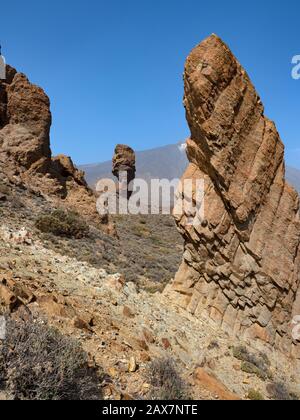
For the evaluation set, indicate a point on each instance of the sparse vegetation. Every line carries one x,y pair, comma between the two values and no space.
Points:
140,230
254,370
241,353
254,395
63,223
138,258
38,363
279,391
166,382
258,365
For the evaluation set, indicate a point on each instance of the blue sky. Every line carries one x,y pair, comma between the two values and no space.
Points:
113,69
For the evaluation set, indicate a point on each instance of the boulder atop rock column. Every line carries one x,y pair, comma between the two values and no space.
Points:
124,165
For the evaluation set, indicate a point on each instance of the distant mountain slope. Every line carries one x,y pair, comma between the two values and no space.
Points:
293,176
167,162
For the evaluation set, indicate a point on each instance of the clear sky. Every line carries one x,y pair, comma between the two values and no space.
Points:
113,69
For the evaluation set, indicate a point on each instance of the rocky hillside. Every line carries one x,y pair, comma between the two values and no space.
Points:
60,269
141,251
25,153
122,327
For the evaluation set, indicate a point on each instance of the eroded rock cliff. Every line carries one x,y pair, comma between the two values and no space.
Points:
241,263
25,154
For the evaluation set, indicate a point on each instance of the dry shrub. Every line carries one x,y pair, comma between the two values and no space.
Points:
279,391
258,365
255,395
167,384
39,363
63,223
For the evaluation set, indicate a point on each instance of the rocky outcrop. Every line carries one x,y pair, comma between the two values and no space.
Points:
241,262
124,168
25,154
123,326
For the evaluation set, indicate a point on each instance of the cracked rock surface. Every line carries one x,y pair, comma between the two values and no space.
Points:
241,262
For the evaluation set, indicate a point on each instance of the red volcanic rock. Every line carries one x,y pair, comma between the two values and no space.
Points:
241,263
25,154
124,164
123,160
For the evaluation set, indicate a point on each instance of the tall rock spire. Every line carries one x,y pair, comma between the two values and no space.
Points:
241,264
25,153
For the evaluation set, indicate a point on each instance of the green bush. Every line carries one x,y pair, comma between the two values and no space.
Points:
63,223
167,385
254,370
241,353
252,364
254,395
38,363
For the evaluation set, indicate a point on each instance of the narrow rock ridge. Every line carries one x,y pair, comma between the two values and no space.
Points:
25,153
241,263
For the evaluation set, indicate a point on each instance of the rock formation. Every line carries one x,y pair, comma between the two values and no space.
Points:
124,168
241,263
25,154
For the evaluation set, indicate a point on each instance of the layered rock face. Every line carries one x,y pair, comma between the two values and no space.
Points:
124,168
25,154
241,262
